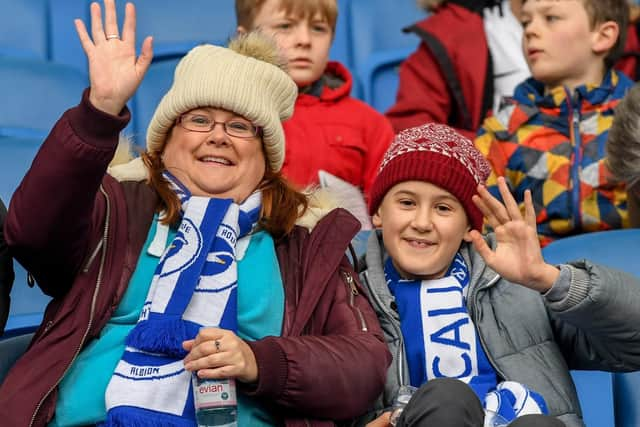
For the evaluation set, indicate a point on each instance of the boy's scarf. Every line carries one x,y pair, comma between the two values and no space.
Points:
511,400
194,286
440,339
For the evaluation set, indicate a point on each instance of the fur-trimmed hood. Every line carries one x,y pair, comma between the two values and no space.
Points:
126,167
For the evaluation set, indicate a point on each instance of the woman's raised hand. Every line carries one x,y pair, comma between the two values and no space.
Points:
517,256
114,71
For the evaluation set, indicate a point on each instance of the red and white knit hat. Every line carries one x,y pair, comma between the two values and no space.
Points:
437,154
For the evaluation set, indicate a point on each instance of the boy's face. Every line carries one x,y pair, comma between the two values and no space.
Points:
303,40
559,44
423,226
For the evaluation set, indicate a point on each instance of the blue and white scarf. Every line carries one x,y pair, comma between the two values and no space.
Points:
194,285
440,339
511,400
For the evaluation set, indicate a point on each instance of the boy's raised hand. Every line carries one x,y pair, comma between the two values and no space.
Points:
114,71
517,256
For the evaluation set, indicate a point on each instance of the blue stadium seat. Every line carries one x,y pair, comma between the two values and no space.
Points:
596,395
379,77
23,28
341,46
16,158
35,94
614,248
155,84
604,397
376,26
27,304
64,45
627,401
177,26
11,348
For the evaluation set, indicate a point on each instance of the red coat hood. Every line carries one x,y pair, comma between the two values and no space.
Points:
338,86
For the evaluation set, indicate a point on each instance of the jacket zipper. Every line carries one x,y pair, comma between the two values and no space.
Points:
576,140
92,257
473,308
93,304
352,296
400,353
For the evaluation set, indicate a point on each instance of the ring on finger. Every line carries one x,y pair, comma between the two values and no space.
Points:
112,36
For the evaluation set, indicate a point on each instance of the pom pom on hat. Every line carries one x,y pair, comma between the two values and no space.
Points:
247,78
437,154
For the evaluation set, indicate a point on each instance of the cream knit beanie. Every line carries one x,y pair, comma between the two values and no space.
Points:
246,78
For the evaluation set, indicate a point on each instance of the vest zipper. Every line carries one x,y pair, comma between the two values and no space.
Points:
399,357
352,296
93,304
473,310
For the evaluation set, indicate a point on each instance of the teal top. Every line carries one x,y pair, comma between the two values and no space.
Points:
81,391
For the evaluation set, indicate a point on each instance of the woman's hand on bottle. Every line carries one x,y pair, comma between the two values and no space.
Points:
219,353
114,71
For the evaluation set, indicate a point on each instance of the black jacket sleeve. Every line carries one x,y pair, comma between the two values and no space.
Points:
6,272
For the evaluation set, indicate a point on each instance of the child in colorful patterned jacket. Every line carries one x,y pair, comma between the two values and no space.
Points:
550,137
482,325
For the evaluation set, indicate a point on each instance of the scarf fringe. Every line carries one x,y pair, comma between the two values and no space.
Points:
127,416
163,336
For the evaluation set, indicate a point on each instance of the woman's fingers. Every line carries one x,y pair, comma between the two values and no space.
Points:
97,31
129,25
146,55
110,20
209,334
217,353
208,341
85,40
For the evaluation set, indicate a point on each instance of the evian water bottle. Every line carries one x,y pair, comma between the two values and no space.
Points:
215,402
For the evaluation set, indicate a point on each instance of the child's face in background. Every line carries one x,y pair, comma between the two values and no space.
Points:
559,44
423,226
304,41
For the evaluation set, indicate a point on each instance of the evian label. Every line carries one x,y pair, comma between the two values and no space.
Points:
214,393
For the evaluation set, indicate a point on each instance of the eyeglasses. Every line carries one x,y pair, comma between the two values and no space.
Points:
234,127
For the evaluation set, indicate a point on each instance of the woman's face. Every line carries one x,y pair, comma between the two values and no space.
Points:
212,163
